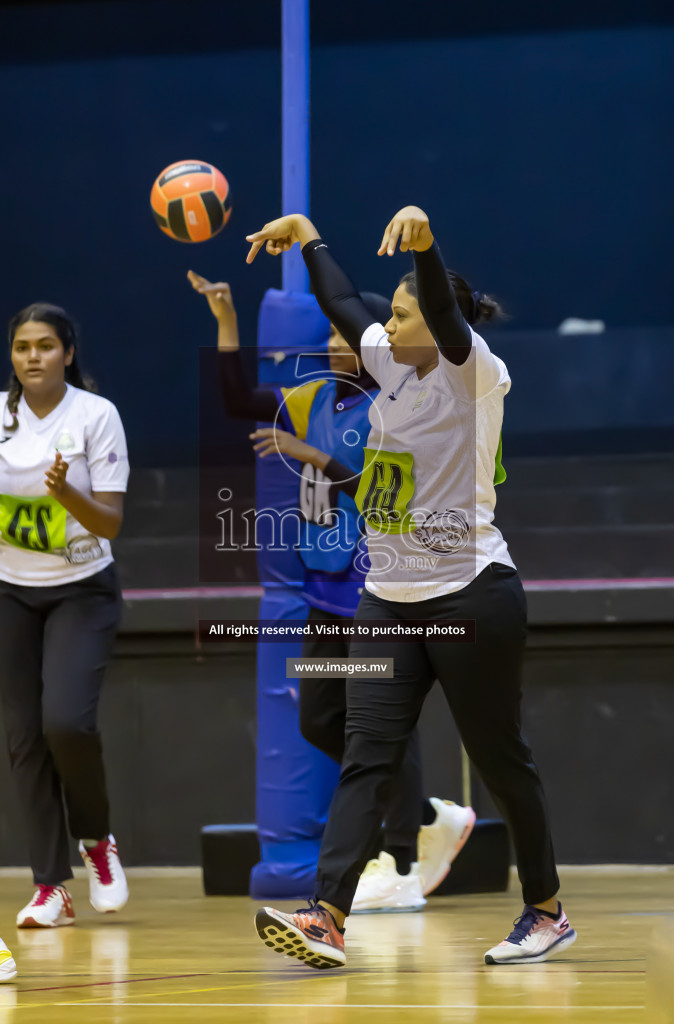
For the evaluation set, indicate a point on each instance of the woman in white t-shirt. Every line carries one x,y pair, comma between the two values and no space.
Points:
63,473
441,575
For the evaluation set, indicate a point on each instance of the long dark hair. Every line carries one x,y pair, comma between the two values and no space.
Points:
477,308
66,331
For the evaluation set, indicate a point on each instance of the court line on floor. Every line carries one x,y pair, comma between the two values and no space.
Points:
101,1000
279,976
365,1006
284,978
243,972
127,981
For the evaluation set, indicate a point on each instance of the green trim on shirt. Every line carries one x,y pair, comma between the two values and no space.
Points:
499,472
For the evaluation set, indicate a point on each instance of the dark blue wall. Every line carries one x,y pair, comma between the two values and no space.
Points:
83,144
544,157
545,162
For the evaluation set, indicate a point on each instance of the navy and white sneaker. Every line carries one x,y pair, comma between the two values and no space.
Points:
536,936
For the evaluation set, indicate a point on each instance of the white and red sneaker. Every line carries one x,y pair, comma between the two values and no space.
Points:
8,970
442,841
108,889
536,937
50,907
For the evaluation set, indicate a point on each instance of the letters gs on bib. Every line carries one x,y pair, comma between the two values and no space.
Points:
40,524
36,524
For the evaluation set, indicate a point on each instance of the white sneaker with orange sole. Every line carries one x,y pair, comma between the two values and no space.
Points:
108,889
50,907
442,841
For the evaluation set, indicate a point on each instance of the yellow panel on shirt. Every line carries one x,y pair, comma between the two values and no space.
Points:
298,402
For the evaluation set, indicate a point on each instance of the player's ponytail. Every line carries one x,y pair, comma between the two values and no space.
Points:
14,389
58,319
476,306
486,309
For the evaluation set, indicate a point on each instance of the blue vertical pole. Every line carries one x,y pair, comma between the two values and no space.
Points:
295,62
295,782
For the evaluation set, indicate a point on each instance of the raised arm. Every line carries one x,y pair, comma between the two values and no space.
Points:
435,293
439,307
241,400
337,296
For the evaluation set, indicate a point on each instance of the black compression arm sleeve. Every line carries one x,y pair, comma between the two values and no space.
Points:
336,295
344,477
439,307
242,401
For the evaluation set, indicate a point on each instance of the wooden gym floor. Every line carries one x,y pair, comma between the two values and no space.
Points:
174,955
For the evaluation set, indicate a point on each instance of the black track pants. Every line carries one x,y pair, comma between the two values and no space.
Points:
55,643
482,684
323,724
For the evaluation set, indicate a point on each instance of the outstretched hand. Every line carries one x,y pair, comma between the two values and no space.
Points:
270,441
55,478
280,235
219,295
411,226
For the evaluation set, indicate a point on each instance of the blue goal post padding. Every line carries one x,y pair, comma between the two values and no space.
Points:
295,782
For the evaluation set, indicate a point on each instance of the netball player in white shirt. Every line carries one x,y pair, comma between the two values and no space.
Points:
407,868
427,495
63,474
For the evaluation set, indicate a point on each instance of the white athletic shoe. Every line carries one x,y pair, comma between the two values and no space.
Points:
440,842
382,889
50,907
535,937
7,966
108,889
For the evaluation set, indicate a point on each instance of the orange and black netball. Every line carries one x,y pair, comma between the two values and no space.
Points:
190,201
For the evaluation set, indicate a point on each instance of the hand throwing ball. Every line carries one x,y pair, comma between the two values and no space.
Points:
190,201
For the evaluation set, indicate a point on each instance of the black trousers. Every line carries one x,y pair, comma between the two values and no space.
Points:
55,643
323,724
482,684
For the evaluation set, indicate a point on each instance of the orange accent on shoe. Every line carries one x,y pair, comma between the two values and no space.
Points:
310,936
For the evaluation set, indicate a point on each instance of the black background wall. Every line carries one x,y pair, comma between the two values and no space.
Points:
179,732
